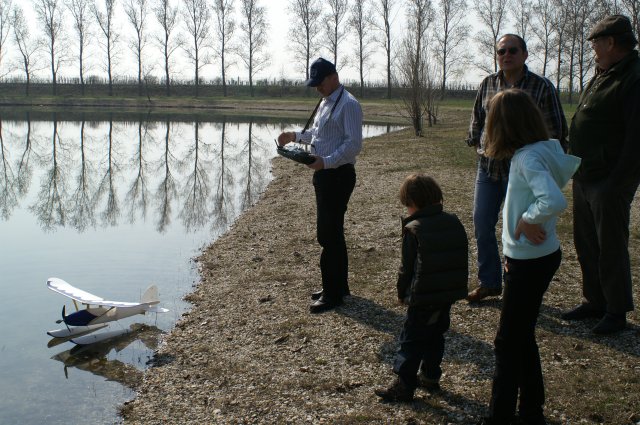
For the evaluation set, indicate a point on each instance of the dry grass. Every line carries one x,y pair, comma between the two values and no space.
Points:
249,351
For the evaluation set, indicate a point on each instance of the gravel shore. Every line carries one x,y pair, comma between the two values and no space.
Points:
249,351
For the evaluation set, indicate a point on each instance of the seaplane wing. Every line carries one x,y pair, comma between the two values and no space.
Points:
99,310
64,288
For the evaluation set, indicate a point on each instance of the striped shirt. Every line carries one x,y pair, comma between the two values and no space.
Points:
544,94
336,133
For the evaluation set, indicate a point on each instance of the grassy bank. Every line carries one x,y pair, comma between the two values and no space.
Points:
182,108
249,351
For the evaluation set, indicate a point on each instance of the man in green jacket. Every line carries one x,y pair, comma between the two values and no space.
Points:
605,133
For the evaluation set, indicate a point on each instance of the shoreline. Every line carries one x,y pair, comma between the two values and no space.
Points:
248,351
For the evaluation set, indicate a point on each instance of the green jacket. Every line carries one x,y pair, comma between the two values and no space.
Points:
434,269
599,132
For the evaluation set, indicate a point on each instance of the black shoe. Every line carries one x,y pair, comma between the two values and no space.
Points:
316,295
581,312
610,324
398,392
324,303
431,385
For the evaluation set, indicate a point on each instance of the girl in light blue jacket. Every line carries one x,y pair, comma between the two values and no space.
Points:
539,170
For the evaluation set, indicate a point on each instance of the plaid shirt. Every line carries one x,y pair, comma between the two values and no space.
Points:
545,96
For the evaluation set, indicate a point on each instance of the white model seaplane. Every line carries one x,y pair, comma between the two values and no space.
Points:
98,312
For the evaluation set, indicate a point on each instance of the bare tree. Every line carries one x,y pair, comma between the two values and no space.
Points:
560,22
27,46
167,17
522,13
385,11
415,68
450,36
79,10
225,27
336,33
363,28
197,18
106,23
49,14
5,26
303,36
136,11
492,15
632,8
254,38
545,30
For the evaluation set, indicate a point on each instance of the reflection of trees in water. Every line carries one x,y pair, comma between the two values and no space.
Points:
8,195
25,170
254,178
167,190
197,187
107,184
138,192
82,203
49,206
222,203
208,173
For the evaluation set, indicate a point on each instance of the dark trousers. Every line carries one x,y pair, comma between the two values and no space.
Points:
517,358
333,189
422,344
601,236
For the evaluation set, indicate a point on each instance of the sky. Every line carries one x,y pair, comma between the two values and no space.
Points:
281,64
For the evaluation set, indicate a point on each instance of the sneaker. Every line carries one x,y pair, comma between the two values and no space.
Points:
482,292
430,385
610,324
398,392
581,312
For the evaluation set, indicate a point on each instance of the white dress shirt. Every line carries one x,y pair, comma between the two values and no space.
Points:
336,133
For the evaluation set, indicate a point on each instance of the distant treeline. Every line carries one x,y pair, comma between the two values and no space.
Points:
128,87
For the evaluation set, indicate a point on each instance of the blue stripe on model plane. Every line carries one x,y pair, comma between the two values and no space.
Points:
79,318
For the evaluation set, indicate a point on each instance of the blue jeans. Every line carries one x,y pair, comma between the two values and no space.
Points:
488,198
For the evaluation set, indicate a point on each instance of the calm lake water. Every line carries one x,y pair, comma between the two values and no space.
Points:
110,207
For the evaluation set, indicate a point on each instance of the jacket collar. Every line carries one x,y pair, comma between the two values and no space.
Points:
427,211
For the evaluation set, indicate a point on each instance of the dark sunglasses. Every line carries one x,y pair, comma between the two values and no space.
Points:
511,50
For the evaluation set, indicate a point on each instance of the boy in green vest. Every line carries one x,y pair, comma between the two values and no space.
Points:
433,275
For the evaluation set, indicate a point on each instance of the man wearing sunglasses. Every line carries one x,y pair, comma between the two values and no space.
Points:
492,176
604,133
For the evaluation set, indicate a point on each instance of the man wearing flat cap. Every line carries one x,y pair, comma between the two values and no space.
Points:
336,137
605,133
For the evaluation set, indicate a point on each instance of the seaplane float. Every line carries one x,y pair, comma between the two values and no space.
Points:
97,313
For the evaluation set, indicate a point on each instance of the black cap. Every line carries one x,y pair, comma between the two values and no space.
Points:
611,25
319,69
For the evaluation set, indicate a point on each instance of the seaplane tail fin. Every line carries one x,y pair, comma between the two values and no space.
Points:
150,296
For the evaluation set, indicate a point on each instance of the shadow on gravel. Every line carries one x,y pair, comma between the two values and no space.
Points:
372,314
549,320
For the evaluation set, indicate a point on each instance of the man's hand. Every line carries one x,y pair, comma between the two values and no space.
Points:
286,137
534,232
318,164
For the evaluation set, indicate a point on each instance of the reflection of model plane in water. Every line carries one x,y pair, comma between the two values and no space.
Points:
93,358
98,312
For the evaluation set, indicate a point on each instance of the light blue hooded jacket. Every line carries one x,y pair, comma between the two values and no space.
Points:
538,173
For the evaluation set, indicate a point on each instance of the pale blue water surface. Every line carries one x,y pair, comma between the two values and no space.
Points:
110,207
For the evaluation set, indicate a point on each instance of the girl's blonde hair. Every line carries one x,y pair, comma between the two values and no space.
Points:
513,121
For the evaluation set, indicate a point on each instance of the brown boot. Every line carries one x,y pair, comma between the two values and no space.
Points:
482,292
398,392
